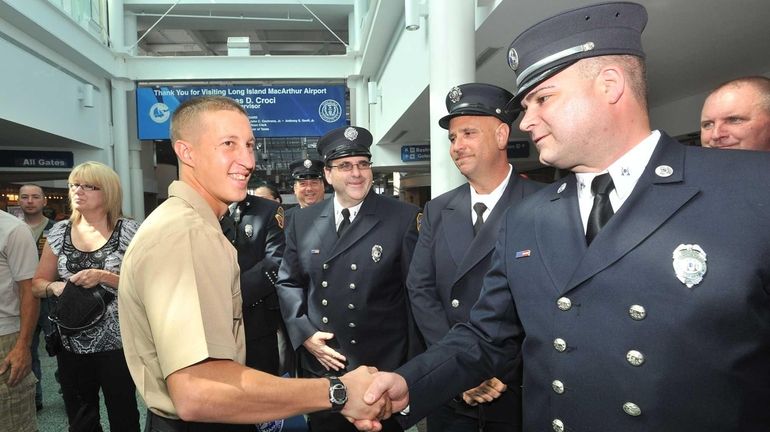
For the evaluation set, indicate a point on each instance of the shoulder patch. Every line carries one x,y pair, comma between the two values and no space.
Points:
419,221
280,216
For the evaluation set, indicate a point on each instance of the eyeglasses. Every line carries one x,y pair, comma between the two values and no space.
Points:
86,187
347,166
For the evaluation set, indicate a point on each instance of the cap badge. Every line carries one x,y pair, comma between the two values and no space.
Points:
307,164
376,253
455,94
351,133
664,171
513,59
689,264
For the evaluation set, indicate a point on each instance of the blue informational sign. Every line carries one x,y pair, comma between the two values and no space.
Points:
36,159
274,111
415,153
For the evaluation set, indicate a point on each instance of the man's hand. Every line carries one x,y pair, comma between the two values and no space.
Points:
327,356
487,391
356,410
19,360
386,385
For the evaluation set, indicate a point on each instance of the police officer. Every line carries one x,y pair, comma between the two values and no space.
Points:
636,289
259,240
308,175
342,280
457,237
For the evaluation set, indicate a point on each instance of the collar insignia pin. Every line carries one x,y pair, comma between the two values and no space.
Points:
664,171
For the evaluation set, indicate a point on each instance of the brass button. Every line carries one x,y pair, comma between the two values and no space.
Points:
325,266
557,386
351,306
455,303
564,303
560,344
558,425
324,320
635,357
353,342
352,286
637,312
324,302
353,267
632,409
324,284
352,325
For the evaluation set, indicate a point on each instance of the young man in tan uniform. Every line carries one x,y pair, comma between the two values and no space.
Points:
180,299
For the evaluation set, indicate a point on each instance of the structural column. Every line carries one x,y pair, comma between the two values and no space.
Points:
359,101
451,37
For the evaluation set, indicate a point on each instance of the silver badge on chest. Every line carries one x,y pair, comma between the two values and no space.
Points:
689,264
376,253
249,230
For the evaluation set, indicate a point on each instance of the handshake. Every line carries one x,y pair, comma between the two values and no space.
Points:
373,396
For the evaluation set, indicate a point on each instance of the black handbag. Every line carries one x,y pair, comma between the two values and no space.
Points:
79,308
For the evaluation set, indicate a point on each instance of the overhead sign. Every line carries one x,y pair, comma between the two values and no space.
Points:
518,149
36,159
274,111
415,153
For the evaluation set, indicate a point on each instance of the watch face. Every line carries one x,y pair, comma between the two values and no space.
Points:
339,394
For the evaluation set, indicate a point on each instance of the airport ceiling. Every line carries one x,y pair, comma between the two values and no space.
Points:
691,44
274,28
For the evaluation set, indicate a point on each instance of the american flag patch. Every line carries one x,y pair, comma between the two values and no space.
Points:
523,253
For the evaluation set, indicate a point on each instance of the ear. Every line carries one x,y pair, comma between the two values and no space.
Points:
612,83
183,151
502,132
327,174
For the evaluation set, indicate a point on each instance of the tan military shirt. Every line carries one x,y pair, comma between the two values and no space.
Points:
179,296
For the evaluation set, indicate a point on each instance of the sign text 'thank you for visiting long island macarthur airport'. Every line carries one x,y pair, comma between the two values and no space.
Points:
274,111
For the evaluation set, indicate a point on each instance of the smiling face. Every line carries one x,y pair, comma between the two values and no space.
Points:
734,117
308,191
219,151
350,187
562,116
477,144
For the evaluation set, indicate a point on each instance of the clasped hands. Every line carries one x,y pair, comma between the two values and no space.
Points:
373,396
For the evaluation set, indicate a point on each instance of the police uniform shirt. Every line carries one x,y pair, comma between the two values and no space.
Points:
179,296
625,172
338,212
490,199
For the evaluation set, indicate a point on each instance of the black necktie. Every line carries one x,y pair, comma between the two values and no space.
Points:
479,208
228,227
601,212
345,222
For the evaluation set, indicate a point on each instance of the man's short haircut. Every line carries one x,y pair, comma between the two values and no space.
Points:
104,177
42,192
634,67
760,83
187,113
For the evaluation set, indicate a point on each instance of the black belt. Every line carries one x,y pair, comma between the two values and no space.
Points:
156,423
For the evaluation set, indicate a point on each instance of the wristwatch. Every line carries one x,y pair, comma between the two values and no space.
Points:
338,393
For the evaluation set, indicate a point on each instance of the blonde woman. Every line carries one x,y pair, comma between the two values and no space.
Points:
87,250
